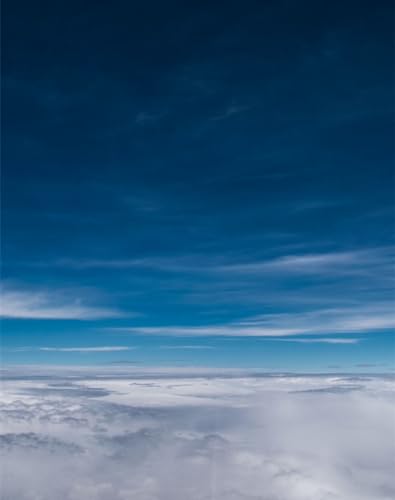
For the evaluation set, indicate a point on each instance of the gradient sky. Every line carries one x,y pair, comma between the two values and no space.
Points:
199,183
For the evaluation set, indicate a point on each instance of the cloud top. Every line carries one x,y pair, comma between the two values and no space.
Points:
149,437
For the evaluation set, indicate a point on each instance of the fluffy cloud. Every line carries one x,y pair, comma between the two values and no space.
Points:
172,436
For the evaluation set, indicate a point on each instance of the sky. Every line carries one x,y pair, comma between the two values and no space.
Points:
194,183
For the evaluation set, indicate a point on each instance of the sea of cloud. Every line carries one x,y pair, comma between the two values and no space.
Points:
179,435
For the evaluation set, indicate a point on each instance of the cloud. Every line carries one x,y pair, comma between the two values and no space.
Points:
186,347
31,441
323,341
147,118
369,365
341,263
49,304
321,321
87,349
306,263
230,111
356,262
152,437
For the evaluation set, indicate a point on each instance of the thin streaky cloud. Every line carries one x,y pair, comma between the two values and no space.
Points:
322,341
369,365
230,111
325,321
343,262
186,347
305,206
87,349
18,349
145,117
50,304
209,330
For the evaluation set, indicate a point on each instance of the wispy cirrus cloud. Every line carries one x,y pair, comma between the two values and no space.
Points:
50,304
322,341
231,110
361,319
87,349
346,262
340,262
198,347
147,118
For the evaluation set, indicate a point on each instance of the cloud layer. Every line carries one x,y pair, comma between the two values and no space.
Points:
172,436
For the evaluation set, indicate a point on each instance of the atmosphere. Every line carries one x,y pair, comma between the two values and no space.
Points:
199,183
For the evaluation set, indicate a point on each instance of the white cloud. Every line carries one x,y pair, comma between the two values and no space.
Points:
49,304
186,347
353,262
87,349
107,435
323,341
307,263
356,262
317,322
230,330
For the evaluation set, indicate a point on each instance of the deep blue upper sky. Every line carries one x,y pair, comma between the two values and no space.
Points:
191,179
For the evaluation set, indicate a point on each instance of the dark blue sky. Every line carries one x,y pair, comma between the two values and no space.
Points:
203,182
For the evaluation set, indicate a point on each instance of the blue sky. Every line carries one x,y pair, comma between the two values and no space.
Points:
185,183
